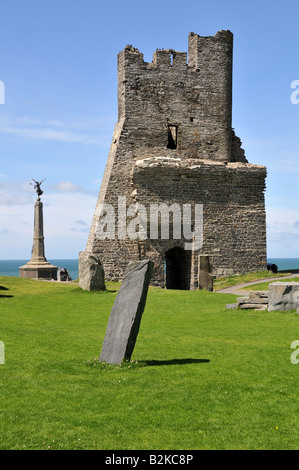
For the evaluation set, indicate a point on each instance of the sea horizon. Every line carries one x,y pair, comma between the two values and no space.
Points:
10,267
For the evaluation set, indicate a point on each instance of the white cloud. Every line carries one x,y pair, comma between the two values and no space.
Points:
69,187
84,230
80,132
80,222
13,199
65,234
283,232
15,194
50,134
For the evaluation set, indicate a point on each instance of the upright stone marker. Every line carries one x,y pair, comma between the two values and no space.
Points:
205,276
126,313
91,273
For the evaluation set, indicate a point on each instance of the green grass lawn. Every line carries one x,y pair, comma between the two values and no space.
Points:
235,279
201,376
265,285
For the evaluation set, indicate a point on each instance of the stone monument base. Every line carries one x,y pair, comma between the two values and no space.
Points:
42,270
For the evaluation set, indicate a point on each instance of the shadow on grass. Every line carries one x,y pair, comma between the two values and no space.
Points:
79,290
137,364
5,296
172,362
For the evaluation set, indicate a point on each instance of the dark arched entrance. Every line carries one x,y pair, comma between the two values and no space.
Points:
178,266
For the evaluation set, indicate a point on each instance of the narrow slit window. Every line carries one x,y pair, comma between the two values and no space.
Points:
172,137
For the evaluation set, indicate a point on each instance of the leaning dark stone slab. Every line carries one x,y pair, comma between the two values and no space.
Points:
126,313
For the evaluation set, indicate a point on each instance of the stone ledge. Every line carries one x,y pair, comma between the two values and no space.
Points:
170,162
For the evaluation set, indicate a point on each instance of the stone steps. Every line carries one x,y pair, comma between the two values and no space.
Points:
257,300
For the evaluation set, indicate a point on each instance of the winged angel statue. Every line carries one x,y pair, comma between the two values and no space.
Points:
37,187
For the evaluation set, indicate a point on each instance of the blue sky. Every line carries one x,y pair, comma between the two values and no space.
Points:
59,67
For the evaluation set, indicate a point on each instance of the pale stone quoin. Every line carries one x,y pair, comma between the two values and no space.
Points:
174,144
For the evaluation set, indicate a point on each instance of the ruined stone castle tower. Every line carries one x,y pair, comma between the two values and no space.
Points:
174,144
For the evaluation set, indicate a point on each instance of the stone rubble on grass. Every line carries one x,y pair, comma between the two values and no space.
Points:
256,300
281,296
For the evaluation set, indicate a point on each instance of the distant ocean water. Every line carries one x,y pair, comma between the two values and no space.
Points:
11,267
284,264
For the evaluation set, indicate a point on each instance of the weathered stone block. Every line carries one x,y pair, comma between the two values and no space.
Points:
231,306
283,296
126,313
261,307
91,272
254,301
205,276
252,306
259,294
242,300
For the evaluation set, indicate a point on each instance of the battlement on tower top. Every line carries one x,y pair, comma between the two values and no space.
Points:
198,45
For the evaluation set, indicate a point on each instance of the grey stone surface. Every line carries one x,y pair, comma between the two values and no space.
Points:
126,313
252,306
231,306
246,300
205,273
283,296
257,300
261,307
91,272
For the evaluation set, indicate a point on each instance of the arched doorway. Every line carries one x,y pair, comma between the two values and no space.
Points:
178,267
